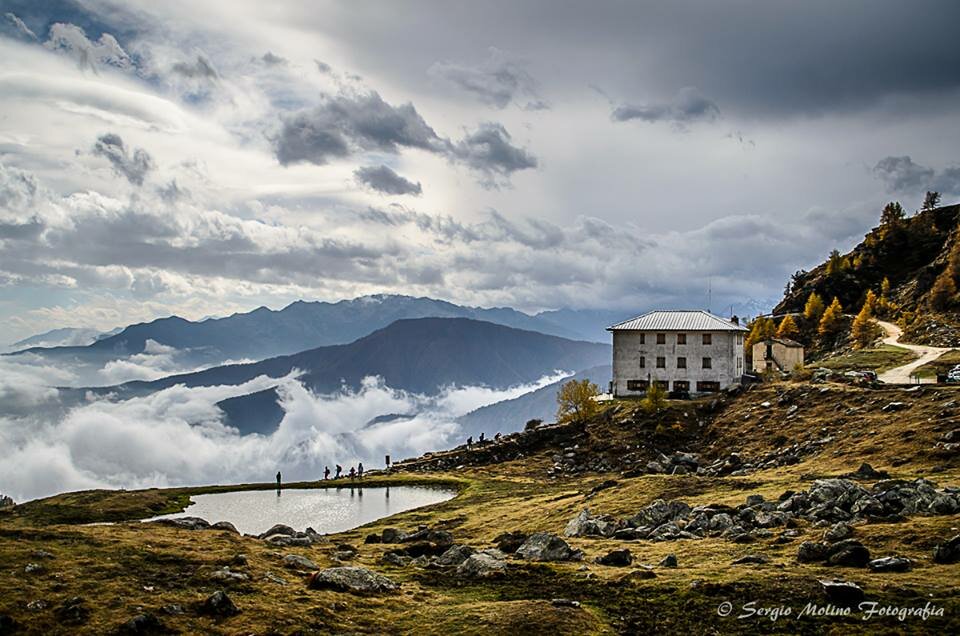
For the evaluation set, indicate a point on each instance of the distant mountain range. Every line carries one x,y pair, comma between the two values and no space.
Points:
265,333
510,416
422,356
63,337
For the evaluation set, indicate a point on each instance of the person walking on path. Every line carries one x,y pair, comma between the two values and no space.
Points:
278,480
326,473
339,470
360,470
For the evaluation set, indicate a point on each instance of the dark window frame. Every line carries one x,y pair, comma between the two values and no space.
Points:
681,338
681,362
643,362
707,362
637,385
707,339
661,362
661,338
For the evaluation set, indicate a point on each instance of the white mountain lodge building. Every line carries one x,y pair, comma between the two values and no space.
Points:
685,351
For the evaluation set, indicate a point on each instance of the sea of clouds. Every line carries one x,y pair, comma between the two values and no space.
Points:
177,436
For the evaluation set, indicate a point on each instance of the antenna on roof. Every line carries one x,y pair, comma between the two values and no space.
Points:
709,293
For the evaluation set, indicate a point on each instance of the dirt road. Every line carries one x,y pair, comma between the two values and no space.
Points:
901,375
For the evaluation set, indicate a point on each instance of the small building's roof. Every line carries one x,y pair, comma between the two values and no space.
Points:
677,320
786,342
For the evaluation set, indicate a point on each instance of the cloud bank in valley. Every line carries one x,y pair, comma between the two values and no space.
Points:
177,436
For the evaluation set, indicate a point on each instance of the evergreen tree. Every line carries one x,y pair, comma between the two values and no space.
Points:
814,308
788,328
871,301
832,320
931,200
892,215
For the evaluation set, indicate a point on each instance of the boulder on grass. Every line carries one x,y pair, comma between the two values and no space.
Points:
355,580
483,565
543,546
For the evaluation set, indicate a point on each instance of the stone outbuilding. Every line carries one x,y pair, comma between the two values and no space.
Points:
777,354
684,351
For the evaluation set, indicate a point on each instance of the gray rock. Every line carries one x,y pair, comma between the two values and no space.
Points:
947,552
587,525
6,502
660,512
564,602
42,554
848,553
754,500
482,565
278,529
188,523
838,532
543,546
669,561
615,558
455,555
225,526
33,568
298,562
891,564
226,575
392,535
355,580
142,624
811,552
509,542
218,604
396,559
73,611
842,593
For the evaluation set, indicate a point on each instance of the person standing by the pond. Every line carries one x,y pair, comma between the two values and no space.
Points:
353,473
360,470
326,473
278,480
339,470
480,440
470,441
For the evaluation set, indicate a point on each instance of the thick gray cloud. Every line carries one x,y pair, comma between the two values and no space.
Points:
200,68
358,122
497,81
385,181
489,151
687,106
134,166
901,174
271,59
344,123
755,58
71,40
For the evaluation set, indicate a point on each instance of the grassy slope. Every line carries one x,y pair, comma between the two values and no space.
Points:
880,359
941,365
127,566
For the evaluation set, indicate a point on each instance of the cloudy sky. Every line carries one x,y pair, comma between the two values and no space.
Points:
201,158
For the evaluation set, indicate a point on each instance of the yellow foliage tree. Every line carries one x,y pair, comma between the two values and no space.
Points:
575,400
832,320
943,292
655,399
864,329
788,328
814,308
761,329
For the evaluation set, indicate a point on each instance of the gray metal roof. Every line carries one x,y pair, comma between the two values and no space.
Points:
677,320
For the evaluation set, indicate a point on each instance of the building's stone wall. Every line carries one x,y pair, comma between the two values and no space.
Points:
787,357
725,352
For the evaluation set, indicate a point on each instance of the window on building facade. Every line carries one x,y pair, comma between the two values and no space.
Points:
643,362
663,384
708,363
661,338
681,338
661,362
706,386
739,364
681,386
681,363
643,338
708,338
739,338
637,385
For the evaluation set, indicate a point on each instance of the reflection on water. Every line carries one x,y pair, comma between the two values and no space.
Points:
326,510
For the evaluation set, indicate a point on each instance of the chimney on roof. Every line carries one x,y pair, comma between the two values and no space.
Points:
735,320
